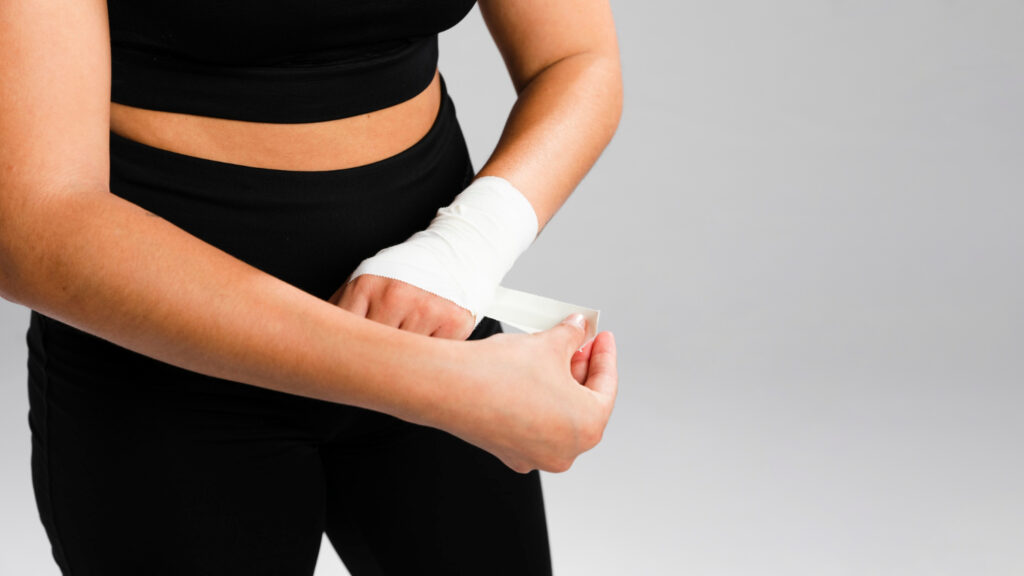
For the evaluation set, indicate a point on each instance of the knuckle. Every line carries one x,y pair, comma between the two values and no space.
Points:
558,461
363,287
517,466
395,293
355,286
561,464
592,435
570,332
456,327
413,317
446,309
391,291
439,305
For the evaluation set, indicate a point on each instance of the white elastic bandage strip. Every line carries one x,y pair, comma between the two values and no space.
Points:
467,249
531,313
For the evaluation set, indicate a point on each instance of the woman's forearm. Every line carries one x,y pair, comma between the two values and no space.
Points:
564,117
108,267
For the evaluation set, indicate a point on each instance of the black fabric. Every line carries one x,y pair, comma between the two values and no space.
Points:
284,62
141,467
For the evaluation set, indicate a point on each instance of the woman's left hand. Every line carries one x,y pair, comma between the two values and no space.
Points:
404,306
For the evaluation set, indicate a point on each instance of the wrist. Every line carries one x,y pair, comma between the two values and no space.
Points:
450,383
467,249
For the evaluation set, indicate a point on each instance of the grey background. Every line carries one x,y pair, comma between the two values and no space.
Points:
806,237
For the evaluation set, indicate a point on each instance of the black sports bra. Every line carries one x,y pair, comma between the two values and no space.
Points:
275,61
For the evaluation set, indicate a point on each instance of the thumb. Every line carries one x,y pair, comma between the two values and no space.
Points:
572,332
603,372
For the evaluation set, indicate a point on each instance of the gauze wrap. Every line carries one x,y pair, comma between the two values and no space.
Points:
467,249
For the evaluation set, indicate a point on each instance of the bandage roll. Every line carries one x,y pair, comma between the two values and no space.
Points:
467,249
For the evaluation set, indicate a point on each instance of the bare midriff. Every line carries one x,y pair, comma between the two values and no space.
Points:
330,145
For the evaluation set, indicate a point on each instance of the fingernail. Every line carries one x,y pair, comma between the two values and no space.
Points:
577,320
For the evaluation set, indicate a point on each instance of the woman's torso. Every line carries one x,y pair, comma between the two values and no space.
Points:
328,145
232,41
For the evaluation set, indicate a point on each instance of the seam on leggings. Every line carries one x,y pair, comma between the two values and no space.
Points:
58,541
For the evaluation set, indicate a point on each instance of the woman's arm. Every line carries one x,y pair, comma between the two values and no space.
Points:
74,251
563,59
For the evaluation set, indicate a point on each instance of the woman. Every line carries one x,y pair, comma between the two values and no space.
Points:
185,189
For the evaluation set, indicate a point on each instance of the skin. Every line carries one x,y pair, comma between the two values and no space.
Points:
73,251
563,59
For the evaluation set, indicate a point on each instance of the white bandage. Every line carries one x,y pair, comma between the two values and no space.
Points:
531,313
467,249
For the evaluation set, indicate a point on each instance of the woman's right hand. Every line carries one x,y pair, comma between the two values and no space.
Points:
542,400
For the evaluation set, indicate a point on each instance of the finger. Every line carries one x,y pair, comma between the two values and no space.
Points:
387,315
455,330
420,323
352,301
585,351
453,321
517,466
336,297
603,375
468,326
447,331
465,325
580,362
570,332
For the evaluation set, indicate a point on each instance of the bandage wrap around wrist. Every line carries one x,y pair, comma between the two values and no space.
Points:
467,249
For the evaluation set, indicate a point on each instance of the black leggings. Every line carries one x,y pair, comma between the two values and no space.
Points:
141,467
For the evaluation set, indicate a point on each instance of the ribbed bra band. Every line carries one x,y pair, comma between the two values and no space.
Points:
274,94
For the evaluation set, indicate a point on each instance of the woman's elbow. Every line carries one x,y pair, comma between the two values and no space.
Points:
609,71
7,281
8,269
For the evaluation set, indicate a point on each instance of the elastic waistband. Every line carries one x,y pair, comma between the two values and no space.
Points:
272,94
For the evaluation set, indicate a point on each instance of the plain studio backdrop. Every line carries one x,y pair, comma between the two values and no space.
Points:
807,237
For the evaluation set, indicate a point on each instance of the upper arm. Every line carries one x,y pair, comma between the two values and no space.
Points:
54,100
534,34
